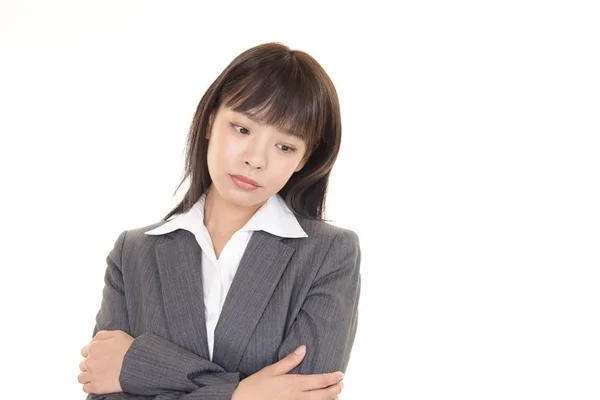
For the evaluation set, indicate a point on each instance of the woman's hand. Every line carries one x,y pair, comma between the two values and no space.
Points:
273,383
103,362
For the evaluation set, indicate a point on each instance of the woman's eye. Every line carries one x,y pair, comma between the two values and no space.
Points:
287,149
241,127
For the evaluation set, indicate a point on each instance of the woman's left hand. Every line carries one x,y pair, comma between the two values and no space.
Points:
103,362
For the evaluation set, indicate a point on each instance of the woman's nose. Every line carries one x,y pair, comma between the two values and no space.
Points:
254,164
255,156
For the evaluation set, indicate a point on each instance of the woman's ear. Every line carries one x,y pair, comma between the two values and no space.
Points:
210,123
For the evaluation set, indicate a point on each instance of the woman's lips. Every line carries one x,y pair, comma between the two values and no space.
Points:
244,183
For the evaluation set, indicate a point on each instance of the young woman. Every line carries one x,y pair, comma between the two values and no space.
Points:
212,301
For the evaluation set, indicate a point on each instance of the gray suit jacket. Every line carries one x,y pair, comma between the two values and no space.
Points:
286,292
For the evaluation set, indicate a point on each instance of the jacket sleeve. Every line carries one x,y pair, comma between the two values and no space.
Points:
118,396
327,320
217,392
153,365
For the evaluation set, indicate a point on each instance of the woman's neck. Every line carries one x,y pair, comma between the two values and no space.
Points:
223,218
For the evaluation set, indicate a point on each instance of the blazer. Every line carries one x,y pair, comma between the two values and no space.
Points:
286,292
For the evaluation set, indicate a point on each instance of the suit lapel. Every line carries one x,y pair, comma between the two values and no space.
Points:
180,270
179,265
259,271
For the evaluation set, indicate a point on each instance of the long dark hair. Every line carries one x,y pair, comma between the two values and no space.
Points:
283,88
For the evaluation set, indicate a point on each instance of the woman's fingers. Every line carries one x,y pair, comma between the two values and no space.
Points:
319,381
83,378
286,364
84,350
327,393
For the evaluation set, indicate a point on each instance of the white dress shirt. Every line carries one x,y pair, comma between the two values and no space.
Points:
274,217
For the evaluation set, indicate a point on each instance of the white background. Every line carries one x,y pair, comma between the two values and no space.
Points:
469,168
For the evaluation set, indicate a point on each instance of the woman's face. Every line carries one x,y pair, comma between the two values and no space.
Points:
240,146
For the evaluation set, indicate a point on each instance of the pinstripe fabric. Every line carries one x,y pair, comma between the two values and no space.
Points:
286,292
274,216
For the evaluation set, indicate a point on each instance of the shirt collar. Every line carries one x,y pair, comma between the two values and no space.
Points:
274,216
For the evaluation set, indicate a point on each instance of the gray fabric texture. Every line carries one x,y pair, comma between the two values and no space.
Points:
286,292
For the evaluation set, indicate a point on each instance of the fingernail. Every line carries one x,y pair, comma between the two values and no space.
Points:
341,374
300,350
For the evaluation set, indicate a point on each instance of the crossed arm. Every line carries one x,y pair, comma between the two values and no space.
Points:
155,368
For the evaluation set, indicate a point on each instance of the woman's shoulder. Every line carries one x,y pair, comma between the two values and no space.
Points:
137,234
338,245
325,231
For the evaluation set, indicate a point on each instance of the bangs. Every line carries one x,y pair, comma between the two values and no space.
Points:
282,96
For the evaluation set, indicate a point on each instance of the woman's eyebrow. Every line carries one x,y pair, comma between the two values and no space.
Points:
257,121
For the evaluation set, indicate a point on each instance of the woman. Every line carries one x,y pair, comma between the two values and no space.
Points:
212,301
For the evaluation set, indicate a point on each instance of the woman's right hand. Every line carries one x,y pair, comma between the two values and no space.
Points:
274,383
